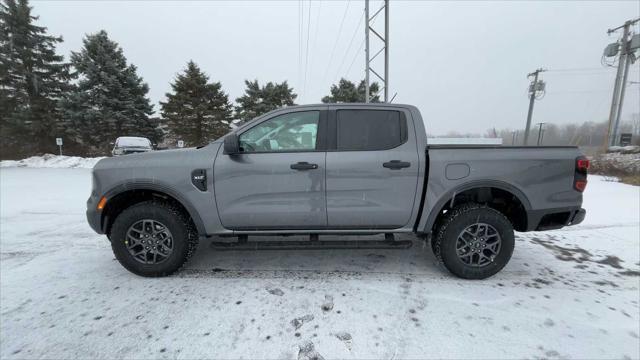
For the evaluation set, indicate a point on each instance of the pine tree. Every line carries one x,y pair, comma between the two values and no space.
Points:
110,99
346,92
197,111
33,79
259,100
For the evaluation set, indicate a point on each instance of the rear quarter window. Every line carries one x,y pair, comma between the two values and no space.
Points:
370,129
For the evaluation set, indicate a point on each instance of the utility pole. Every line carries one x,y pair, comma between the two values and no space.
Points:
385,48
514,137
540,133
535,87
366,51
622,73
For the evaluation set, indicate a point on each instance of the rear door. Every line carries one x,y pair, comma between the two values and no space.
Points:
372,168
278,180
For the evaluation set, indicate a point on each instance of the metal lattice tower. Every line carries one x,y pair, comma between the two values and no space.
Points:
385,48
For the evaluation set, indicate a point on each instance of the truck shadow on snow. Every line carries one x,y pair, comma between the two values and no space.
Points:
561,265
316,262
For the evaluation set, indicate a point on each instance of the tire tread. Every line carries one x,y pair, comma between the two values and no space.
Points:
190,234
448,220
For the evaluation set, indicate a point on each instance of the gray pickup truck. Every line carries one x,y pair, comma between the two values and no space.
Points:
357,169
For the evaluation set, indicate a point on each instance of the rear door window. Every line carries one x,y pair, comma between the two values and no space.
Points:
369,129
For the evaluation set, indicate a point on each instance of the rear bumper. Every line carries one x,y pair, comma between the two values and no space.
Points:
578,217
551,219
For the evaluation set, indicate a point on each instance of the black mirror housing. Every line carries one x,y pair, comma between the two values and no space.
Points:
231,144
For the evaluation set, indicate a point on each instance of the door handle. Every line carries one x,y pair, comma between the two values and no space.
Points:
396,164
303,165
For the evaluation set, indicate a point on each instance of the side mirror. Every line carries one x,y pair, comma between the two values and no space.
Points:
111,143
231,144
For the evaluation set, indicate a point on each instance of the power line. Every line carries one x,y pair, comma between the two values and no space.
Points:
357,52
579,91
584,74
354,58
315,36
300,15
335,44
349,46
578,69
306,61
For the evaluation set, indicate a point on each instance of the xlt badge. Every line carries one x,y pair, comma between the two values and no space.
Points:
199,179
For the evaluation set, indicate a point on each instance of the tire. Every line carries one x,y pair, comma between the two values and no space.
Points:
455,243
177,236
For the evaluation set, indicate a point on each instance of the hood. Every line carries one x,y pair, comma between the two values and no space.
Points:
161,158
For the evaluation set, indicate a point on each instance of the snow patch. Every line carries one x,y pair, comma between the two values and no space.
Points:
616,164
52,161
72,299
629,149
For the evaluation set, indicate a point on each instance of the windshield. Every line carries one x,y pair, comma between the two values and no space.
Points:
131,141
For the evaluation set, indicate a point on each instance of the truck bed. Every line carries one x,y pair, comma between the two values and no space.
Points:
540,177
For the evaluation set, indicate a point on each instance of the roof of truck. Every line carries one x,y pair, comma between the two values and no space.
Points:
321,105
358,104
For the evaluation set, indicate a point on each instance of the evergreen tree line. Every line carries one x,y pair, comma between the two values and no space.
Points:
97,95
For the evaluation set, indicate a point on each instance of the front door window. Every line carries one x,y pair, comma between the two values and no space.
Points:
289,132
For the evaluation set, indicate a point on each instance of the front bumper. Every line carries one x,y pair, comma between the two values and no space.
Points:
94,217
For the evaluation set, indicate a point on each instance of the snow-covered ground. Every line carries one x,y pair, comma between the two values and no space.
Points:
571,293
52,161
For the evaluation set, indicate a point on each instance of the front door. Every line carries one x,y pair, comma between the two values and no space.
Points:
372,169
278,179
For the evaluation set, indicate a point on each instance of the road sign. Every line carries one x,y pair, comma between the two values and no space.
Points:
625,139
180,143
59,143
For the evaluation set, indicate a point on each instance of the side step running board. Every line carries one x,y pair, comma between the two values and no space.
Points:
312,245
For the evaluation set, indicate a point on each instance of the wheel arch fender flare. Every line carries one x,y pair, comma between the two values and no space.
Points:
159,187
448,196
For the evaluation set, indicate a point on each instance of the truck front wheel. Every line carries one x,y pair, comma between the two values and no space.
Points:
153,238
474,241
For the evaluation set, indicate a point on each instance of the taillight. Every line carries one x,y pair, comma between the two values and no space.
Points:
580,175
582,164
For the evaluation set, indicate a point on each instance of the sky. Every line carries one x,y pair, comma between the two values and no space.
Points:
463,64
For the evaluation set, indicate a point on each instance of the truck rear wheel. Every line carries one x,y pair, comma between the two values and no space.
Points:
474,241
153,238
